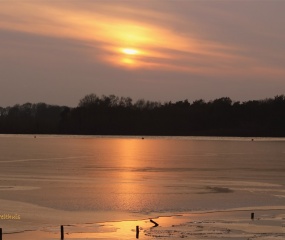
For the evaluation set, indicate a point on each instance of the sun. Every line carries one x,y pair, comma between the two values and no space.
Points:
130,57
130,51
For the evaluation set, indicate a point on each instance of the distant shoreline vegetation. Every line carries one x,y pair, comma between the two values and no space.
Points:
112,115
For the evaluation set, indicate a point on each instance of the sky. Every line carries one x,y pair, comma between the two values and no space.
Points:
58,51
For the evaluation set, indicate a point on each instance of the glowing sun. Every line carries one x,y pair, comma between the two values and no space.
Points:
130,51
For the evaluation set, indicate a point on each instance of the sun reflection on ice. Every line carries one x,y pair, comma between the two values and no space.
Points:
126,229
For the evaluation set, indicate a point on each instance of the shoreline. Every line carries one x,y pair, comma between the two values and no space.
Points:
235,223
145,137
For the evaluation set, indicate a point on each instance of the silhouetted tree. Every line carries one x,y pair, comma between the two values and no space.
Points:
119,115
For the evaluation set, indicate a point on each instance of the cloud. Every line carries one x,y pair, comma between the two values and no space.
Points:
112,27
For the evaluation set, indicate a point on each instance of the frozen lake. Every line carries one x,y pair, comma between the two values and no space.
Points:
74,179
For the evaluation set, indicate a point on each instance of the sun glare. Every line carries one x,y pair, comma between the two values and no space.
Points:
128,61
130,51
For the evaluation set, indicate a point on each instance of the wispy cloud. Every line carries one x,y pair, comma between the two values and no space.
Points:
111,27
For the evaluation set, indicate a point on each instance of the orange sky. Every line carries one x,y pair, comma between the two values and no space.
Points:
59,51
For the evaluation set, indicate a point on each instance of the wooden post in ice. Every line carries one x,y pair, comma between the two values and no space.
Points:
137,231
0,233
252,216
61,232
155,223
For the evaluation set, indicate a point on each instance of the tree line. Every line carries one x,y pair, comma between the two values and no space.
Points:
112,115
